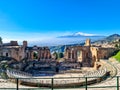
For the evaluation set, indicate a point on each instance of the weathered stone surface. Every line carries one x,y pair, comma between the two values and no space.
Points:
20,52
87,55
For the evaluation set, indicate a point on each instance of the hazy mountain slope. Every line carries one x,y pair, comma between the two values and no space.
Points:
108,39
96,40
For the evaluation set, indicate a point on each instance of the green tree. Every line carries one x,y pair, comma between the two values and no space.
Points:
55,54
118,40
1,40
116,45
4,75
35,54
60,55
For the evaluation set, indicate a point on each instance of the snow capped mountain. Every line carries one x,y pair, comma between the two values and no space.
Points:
83,34
74,38
80,34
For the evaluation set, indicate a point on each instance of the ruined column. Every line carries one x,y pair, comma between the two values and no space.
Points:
68,55
87,42
71,54
75,55
39,51
45,55
97,57
41,54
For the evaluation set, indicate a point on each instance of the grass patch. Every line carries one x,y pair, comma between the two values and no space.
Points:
117,56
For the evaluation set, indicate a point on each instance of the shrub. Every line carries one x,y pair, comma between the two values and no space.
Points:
117,56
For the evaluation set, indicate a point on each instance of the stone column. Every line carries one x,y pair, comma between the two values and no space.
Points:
68,55
44,54
73,57
75,54
97,58
47,54
71,54
41,54
32,56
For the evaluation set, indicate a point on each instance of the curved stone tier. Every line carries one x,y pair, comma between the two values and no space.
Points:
17,74
59,80
114,71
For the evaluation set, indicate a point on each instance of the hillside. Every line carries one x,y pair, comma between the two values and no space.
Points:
61,48
108,39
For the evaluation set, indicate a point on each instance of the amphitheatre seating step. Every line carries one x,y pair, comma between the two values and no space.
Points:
58,81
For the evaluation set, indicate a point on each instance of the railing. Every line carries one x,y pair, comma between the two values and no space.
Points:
94,84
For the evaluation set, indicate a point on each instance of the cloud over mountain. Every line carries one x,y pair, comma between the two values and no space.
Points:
79,34
83,34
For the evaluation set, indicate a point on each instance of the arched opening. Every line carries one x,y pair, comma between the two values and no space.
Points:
6,55
87,55
68,54
79,56
35,55
105,57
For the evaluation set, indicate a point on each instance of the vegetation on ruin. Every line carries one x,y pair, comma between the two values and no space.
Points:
3,67
117,45
55,55
35,55
117,56
58,55
4,75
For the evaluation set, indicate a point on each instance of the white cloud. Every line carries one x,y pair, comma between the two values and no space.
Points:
23,36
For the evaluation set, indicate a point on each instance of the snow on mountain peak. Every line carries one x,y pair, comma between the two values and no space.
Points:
83,34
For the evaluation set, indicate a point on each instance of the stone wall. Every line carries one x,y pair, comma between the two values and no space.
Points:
21,52
16,52
38,53
105,53
14,43
79,54
87,55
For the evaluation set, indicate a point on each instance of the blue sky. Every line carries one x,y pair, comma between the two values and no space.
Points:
34,20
